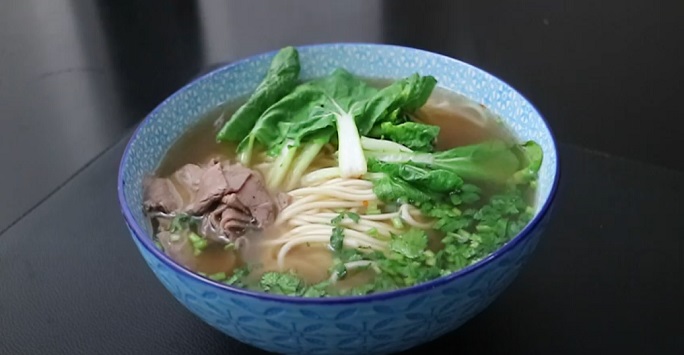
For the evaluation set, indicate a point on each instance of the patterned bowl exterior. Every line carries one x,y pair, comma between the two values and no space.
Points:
376,324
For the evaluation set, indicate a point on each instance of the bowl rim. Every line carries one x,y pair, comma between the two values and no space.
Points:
145,240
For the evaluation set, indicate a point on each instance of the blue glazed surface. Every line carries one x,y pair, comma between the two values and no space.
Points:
382,323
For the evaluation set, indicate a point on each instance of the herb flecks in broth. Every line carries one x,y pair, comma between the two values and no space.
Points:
371,187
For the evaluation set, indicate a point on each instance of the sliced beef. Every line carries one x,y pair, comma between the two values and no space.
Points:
236,175
160,195
189,176
232,201
263,213
231,198
228,221
211,226
187,180
235,223
254,195
211,188
282,200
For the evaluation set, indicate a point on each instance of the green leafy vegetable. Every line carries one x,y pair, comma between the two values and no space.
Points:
417,136
382,145
531,153
439,180
401,97
490,162
280,79
296,127
310,115
389,188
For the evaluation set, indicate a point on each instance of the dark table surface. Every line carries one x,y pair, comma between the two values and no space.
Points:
77,76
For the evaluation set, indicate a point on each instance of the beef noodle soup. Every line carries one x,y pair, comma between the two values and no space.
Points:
340,185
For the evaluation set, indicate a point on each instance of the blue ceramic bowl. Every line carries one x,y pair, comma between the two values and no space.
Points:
376,324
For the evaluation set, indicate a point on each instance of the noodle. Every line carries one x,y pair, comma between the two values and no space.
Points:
317,197
288,213
322,193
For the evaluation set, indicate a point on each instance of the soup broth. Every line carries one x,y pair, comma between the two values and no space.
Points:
431,187
461,122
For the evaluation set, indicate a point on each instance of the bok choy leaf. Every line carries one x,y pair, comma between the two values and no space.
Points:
280,79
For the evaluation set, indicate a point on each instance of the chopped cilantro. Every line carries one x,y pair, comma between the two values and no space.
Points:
280,283
337,238
317,290
410,244
340,217
472,231
338,269
472,224
289,284
236,279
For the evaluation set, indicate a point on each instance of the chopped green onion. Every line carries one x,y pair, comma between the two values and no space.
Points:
483,228
198,243
397,222
219,276
373,208
194,238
